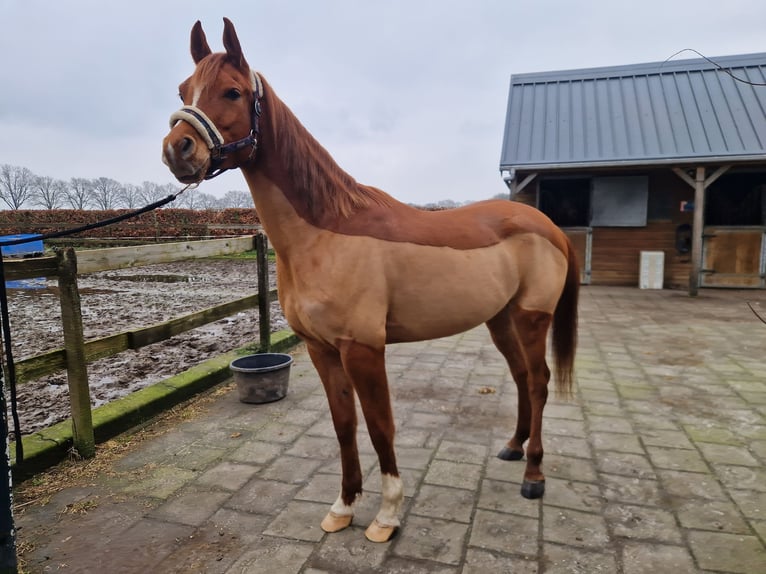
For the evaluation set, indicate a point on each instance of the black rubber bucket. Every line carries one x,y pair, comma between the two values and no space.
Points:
262,378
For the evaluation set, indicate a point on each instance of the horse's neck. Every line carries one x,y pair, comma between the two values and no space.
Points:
288,233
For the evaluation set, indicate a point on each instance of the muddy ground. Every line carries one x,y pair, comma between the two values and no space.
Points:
115,301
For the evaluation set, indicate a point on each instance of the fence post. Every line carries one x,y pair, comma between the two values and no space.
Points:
74,345
264,306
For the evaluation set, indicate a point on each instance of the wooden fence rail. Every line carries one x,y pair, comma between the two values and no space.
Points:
66,265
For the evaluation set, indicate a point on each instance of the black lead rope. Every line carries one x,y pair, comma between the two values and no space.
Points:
5,316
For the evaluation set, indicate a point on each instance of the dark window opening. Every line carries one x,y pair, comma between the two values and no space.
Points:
566,201
737,199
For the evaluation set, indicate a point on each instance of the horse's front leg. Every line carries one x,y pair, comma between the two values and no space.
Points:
366,368
340,396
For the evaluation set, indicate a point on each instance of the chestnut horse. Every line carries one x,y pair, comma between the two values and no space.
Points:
357,269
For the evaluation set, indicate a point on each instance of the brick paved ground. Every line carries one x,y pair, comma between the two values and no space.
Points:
657,465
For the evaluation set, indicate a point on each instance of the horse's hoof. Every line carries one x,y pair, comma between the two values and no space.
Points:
508,454
336,522
533,489
377,532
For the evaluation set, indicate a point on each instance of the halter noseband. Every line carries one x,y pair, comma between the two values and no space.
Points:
213,138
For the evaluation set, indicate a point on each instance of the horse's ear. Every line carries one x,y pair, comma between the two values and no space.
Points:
231,43
199,47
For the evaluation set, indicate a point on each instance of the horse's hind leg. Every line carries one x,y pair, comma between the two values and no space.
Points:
366,368
504,338
340,396
531,328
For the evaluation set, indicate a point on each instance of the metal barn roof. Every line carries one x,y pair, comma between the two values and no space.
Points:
674,112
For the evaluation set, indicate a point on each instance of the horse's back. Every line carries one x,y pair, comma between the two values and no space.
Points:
473,226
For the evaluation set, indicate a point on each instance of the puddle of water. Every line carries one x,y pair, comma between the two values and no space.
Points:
164,278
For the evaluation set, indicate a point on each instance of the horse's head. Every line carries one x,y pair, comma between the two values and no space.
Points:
217,128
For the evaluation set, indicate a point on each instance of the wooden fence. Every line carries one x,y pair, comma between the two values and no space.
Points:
77,352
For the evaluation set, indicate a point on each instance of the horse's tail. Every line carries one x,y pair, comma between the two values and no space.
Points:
565,325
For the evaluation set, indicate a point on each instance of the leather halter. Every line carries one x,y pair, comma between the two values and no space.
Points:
206,128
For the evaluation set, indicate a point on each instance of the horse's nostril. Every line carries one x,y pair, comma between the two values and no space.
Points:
187,145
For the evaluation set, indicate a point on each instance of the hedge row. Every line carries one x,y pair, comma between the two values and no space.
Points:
155,224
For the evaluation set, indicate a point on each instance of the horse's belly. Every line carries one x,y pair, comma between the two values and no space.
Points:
442,291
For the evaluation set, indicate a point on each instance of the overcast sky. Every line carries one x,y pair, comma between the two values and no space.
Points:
407,95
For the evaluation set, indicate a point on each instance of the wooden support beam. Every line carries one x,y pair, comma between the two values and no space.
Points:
74,346
698,222
700,183
518,187
264,301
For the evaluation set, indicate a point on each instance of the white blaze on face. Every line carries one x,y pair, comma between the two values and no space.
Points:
169,156
196,95
391,500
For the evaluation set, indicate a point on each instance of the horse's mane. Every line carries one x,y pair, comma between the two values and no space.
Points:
328,191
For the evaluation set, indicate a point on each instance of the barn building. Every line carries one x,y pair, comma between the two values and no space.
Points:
643,163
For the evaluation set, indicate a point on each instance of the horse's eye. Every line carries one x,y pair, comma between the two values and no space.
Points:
233,94
180,96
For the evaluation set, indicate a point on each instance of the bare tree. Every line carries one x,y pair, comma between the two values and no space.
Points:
130,196
188,199
237,199
79,194
151,192
105,192
48,193
207,201
15,185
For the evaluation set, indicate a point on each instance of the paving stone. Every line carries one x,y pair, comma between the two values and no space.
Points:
262,496
413,457
274,555
481,561
559,559
507,533
727,552
461,452
256,452
349,552
565,445
228,475
727,454
607,441
505,497
161,482
564,427
716,515
625,464
299,520
192,507
432,539
290,469
445,503
752,504
281,433
631,490
458,475
677,459
574,528
571,494
641,469
245,527
598,423
643,558
642,522
568,467
741,477
691,485
666,438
